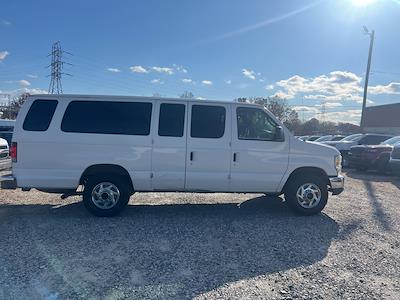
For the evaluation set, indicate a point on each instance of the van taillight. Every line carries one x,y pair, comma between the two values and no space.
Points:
13,152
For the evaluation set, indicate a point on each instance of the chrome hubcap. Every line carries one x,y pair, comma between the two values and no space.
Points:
308,195
105,195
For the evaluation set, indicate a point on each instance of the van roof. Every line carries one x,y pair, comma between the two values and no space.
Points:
116,98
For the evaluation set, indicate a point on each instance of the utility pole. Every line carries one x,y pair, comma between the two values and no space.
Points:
56,66
364,105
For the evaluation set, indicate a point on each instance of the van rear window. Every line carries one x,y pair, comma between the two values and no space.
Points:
39,115
106,117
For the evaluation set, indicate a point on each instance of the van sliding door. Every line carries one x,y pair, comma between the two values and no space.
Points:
208,147
169,146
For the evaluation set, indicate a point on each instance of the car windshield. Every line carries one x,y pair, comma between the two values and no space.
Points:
353,137
392,141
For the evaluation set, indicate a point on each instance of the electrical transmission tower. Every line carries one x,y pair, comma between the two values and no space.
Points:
56,66
323,111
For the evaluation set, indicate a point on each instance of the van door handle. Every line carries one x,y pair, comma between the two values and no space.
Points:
191,156
234,157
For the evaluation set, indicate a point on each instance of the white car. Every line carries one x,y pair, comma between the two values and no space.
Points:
115,146
5,161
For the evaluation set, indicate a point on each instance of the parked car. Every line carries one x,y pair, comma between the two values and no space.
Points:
345,144
115,146
312,138
374,157
5,161
303,138
6,130
329,138
395,159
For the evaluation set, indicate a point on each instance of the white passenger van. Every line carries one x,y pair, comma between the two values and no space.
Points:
114,146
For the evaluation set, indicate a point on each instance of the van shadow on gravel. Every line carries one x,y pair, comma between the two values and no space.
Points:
153,251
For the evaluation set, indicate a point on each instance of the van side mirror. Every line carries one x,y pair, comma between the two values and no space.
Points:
279,135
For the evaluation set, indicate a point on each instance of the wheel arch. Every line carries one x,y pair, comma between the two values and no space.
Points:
108,169
302,171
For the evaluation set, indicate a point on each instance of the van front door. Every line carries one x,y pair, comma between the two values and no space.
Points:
260,156
169,146
208,147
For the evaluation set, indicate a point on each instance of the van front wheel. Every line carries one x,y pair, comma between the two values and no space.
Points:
307,195
105,196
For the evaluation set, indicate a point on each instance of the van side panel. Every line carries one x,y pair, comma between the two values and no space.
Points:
57,159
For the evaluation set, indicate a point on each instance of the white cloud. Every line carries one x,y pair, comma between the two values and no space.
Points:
138,69
180,68
249,74
157,81
32,76
114,70
24,82
207,82
5,22
329,105
187,80
391,88
269,87
308,109
165,70
201,98
350,116
3,55
336,86
283,95
228,81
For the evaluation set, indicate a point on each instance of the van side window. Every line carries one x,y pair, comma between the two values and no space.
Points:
107,117
172,120
255,124
40,115
208,121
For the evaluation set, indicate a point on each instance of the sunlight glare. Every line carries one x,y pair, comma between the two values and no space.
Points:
363,2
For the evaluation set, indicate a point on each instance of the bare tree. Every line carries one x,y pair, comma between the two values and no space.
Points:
12,110
186,95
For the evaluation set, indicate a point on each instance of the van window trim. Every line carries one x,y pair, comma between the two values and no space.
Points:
51,118
275,123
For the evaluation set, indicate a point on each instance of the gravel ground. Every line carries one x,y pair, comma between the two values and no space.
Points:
218,246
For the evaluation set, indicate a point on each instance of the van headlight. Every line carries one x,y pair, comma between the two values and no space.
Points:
338,163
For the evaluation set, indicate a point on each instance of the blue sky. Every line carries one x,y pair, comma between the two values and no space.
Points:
308,52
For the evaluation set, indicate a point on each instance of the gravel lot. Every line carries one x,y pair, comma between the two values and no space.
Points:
179,246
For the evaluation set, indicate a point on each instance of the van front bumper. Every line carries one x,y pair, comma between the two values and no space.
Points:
336,184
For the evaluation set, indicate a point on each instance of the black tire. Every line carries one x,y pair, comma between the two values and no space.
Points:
383,166
124,194
294,185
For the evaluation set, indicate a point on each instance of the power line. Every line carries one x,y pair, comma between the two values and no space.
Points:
56,66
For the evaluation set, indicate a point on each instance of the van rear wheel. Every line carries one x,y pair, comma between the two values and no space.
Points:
307,195
106,196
